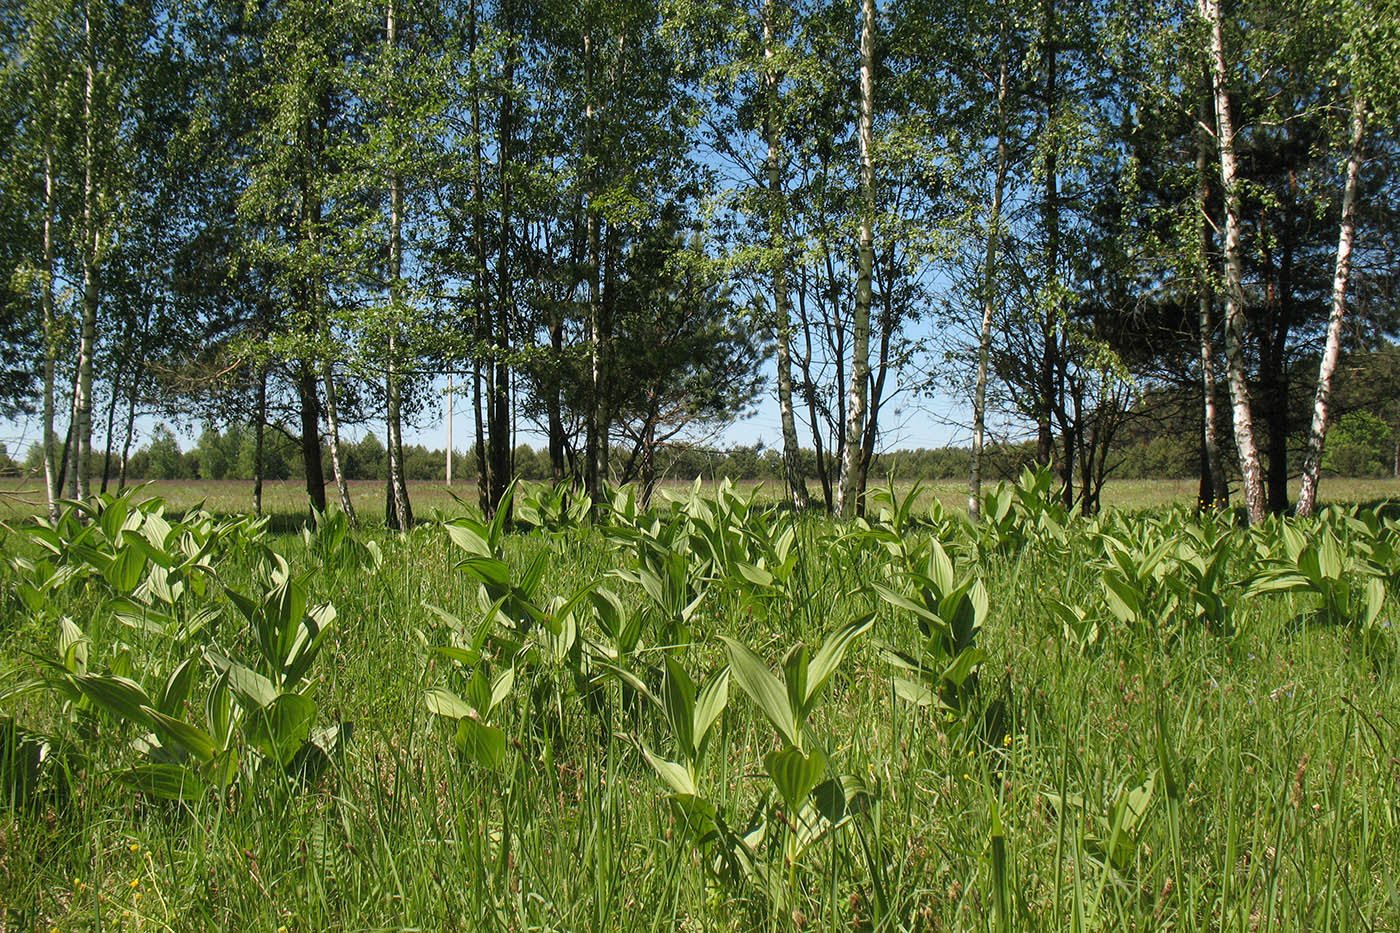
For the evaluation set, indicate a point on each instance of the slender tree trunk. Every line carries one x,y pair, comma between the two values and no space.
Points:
860,326
558,469
311,439
836,347
1274,376
111,426
52,483
648,465
1274,382
68,462
1217,493
88,340
810,395
482,322
1071,432
777,236
499,403
66,473
605,324
333,428
1050,218
130,432
1322,398
259,442
594,441
398,513
1234,289
876,387
989,296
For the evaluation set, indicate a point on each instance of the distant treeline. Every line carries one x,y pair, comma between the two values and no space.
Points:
1361,445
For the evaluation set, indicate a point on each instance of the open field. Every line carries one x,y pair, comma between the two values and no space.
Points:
1136,722
289,497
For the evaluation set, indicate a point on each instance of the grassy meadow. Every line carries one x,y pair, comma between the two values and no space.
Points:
285,500
709,715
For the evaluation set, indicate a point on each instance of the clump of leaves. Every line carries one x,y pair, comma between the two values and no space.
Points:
949,616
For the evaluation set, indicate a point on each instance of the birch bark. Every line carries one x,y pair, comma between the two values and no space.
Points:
1312,461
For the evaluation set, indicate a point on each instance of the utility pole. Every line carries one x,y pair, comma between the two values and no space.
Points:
448,416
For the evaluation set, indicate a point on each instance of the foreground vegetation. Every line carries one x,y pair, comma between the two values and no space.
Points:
712,714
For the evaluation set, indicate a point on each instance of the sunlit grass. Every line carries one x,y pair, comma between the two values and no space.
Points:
1268,749
288,497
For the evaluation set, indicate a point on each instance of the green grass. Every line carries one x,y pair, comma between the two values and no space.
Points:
1269,747
288,497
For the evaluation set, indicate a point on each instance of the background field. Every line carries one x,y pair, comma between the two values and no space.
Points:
289,497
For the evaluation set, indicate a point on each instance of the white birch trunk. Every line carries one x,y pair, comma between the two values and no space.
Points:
333,425
860,325
596,440
401,517
1220,490
1312,462
87,342
989,280
1234,287
51,491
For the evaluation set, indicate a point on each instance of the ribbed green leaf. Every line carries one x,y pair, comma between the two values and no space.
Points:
830,655
795,774
763,688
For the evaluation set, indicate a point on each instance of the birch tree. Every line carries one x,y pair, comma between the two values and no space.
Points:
1235,297
846,504
1368,54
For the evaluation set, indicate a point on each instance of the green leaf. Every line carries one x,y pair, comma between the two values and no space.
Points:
1375,599
795,774
763,688
830,655
710,704
912,692
837,797
900,601
940,568
278,729
446,703
112,518
470,536
696,814
251,688
1122,598
566,610
218,712
755,575
125,570
963,665
483,744
500,688
495,574
454,623
191,738
165,781
72,646
121,697
678,694
479,692
178,686
464,656
795,680
675,775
